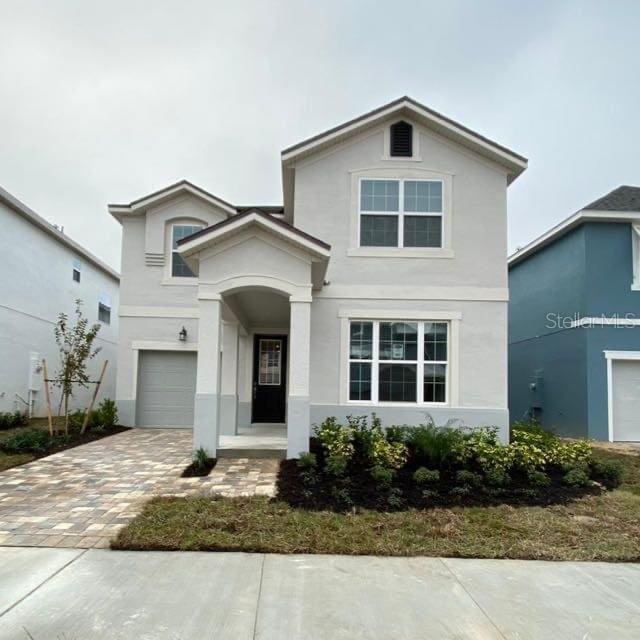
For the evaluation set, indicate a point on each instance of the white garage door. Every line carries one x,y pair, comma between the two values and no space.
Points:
626,400
166,388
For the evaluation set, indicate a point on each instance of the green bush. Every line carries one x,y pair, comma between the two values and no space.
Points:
497,478
576,477
307,461
10,420
382,476
335,439
371,443
609,472
336,465
28,441
429,445
200,459
538,478
106,415
468,478
423,476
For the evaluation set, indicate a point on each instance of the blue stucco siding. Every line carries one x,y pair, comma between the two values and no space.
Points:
557,364
551,281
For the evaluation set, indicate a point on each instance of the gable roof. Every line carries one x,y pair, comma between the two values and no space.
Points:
173,190
620,205
38,221
406,106
624,198
252,216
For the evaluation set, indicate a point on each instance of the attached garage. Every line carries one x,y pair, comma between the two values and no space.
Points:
624,398
166,388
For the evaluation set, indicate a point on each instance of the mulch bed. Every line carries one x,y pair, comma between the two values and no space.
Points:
358,489
195,470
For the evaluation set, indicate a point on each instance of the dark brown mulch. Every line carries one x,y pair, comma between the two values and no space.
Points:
196,470
357,488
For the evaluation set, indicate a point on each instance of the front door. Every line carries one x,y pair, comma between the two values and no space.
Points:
269,378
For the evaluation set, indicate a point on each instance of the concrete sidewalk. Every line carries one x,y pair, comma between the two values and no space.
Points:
49,594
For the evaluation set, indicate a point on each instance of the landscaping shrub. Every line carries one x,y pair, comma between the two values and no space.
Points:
106,415
576,477
29,441
362,464
423,476
609,472
10,420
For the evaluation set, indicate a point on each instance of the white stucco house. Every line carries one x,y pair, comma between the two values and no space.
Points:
44,272
379,285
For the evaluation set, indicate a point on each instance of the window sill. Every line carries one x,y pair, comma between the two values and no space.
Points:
400,252
183,282
417,405
635,286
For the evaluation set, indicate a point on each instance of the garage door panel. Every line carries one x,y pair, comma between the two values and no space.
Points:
626,400
166,388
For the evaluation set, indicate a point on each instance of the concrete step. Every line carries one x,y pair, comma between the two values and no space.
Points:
238,452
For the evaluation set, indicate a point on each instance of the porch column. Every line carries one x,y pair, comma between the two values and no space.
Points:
229,380
206,411
298,412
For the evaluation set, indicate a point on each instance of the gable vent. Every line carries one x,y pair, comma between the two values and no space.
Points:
401,139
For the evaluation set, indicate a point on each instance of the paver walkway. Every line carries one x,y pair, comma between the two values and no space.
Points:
81,497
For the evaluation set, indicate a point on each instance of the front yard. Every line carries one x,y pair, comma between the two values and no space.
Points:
549,518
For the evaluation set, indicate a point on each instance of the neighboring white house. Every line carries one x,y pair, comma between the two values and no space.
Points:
379,286
44,273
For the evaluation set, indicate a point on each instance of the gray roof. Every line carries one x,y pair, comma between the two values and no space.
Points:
624,198
29,214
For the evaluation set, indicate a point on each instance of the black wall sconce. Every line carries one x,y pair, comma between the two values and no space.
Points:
182,335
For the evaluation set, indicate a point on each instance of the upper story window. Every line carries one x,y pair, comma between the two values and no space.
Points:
76,271
179,268
104,309
401,213
401,140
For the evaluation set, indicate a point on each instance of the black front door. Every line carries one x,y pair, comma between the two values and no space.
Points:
269,378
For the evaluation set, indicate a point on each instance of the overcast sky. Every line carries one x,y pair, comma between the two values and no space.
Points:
107,101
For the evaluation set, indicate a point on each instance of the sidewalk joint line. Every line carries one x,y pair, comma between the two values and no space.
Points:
255,619
53,575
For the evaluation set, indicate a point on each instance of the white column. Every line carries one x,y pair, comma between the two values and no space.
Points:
229,379
298,410
206,413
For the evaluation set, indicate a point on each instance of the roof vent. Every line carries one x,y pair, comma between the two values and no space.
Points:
401,139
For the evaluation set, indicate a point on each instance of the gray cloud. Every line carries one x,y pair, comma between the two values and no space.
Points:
104,102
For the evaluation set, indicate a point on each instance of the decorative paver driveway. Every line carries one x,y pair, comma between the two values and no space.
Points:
81,497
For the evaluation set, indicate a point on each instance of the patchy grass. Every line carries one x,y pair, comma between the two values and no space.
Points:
9,460
594,527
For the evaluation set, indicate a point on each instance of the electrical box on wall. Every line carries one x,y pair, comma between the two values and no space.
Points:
35,372
536,391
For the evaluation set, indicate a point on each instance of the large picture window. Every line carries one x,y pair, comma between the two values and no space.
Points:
400,213
398,361
179,268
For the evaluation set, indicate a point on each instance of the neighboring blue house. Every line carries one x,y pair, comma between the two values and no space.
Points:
574,323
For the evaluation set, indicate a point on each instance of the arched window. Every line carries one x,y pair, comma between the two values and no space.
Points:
401,139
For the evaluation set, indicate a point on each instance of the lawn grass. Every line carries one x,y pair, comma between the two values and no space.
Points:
595,527
9,460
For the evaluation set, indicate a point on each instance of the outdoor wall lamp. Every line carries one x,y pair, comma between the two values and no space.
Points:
182,335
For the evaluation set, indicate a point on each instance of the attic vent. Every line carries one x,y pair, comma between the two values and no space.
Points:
401,139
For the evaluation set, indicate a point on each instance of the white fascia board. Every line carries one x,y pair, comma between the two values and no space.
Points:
399,314
139,206
513,162
197,244
585,215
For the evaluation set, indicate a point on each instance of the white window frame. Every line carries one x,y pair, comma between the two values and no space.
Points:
170,277
401,213
635,252
419,363
400,171
77,268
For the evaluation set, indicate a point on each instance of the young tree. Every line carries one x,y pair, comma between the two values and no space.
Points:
75,344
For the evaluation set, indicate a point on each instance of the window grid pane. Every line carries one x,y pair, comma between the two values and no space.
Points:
361,341
360,381
379,195
435,382
398,341
179,268
422,231
435,341
397,383
270,362
423,196
378,231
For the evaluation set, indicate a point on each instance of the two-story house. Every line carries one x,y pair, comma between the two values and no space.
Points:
45,272
379,286
574,322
